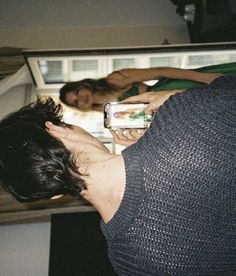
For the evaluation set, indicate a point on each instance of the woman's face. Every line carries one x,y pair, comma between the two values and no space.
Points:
80,99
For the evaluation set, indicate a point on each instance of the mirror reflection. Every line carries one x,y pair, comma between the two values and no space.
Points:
84,80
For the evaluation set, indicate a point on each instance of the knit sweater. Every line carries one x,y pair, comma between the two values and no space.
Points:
178,213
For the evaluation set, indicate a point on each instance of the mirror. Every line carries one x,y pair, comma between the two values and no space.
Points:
51,69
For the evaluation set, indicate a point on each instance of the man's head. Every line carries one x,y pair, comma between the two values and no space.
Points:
33,164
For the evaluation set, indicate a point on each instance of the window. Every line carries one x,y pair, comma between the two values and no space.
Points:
166,61
206,59
123,63
50,69
81,69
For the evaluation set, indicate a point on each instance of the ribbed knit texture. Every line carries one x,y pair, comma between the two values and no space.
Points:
178,214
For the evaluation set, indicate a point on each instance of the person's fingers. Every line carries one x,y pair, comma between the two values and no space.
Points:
142,131
124,137
134,133
120,138
115,136
113,133
121,133
137,133
128,135
152,107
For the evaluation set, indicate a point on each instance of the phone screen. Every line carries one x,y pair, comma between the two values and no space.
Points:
126,115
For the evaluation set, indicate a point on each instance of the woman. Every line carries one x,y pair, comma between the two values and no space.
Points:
90,94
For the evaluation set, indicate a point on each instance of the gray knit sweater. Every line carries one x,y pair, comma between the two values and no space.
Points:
178,213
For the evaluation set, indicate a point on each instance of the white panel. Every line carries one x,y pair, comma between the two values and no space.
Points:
24,249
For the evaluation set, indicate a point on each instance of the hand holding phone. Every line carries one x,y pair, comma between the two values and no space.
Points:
127,137
126,115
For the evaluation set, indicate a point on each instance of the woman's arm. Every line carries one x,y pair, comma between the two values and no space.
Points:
155,99
125,77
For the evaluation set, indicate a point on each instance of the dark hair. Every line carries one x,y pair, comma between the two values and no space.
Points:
101,86
33,164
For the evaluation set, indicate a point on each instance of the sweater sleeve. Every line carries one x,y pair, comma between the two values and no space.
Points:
177,216
196,102
225,83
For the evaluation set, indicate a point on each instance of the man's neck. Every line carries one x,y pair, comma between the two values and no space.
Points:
106,185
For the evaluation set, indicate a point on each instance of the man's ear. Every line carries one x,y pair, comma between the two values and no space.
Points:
56,197
83,170
85,194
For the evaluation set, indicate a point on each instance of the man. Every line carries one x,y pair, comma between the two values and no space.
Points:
168,202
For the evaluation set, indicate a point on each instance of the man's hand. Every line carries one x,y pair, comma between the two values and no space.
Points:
127,137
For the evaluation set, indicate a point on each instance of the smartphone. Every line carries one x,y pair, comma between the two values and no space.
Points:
119,115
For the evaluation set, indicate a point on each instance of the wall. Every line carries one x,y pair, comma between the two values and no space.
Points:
15,98
89,23
24,249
